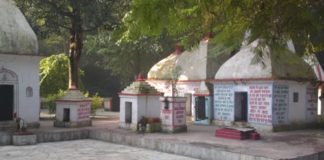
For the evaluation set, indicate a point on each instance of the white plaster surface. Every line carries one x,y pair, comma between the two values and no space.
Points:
189,65
148,106
122,112
83,150
16,35
27,70
278,104
240,65
278,64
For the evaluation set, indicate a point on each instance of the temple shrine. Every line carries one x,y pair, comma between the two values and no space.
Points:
19,68
138,100
274,91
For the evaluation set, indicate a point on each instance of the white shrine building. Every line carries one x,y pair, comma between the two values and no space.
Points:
188,71
317,63
318,68
138,100
271,92
19,68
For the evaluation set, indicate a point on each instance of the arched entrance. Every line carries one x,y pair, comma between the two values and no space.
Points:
8,94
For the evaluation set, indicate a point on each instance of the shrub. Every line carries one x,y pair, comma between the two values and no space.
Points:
50,100
96,102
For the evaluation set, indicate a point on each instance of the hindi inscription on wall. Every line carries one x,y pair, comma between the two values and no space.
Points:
179,114
260,99
280,103
224,102
84,111
311,103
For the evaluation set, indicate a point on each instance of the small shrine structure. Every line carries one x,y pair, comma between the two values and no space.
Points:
173,114
275,90
138,100
19,68
73,110
186,70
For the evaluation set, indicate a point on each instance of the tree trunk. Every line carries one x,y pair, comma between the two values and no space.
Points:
75,50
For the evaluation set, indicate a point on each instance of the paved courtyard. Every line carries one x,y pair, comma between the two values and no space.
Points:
82,150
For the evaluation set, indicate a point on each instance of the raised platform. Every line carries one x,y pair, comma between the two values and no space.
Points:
199,142
75,124
24,138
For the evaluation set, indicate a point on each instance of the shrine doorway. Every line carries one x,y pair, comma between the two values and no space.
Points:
241,106
128,112
6,102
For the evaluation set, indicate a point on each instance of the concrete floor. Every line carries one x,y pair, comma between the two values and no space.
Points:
278,145
83,150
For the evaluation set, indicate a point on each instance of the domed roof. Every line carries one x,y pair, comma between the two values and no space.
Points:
140,87
16,35
280,64
182,66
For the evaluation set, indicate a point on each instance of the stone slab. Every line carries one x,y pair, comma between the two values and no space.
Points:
83,150
21,140
72,124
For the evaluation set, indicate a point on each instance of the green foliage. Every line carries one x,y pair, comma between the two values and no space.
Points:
96,102
75,19
50,100
275,21
48,16
54,74
126,59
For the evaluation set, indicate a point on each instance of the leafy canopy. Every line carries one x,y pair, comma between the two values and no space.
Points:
275,21
54,74
126,59
52,16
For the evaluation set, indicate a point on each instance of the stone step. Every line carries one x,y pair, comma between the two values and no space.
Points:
8,125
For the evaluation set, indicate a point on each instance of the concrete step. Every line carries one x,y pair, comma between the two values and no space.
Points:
8,125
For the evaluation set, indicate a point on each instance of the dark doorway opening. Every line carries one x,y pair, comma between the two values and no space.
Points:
241,106
201,108
66,115
6,102
128,112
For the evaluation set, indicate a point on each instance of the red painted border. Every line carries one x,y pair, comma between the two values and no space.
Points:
73,100
260,79
242,79
141,94
201,94
198,80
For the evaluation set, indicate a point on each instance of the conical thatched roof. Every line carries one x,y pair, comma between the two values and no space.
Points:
16,35
280,64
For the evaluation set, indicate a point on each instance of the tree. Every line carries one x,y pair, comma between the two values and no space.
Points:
126,59
54,74
75,18
274,21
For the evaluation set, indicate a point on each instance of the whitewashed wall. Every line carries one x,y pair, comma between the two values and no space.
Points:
269,103
303,111
122,111
259,101
27,70
183,88
147,106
